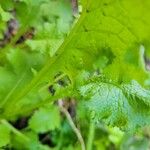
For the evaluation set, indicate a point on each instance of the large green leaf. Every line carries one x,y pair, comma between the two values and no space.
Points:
109,37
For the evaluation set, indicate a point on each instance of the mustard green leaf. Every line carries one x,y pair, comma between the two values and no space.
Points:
125,105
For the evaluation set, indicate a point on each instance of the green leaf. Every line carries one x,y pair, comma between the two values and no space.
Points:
5,15
33,144
19,66
134,143
4,135
17,73
44,45
126,105
116,135
45,119
119,35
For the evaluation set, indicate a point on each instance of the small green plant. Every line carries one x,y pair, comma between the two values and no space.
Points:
66,68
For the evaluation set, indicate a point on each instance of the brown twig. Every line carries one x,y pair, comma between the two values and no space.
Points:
74,128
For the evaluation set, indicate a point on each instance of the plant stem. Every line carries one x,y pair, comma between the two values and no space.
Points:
74,128
91,135
60,141
14,130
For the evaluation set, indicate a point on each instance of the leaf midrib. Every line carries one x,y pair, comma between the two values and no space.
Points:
49,64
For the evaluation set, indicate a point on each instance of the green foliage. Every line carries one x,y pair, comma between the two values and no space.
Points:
97,58
45,119
125,105
4,135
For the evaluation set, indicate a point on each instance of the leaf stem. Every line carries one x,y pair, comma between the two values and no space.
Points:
91,135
